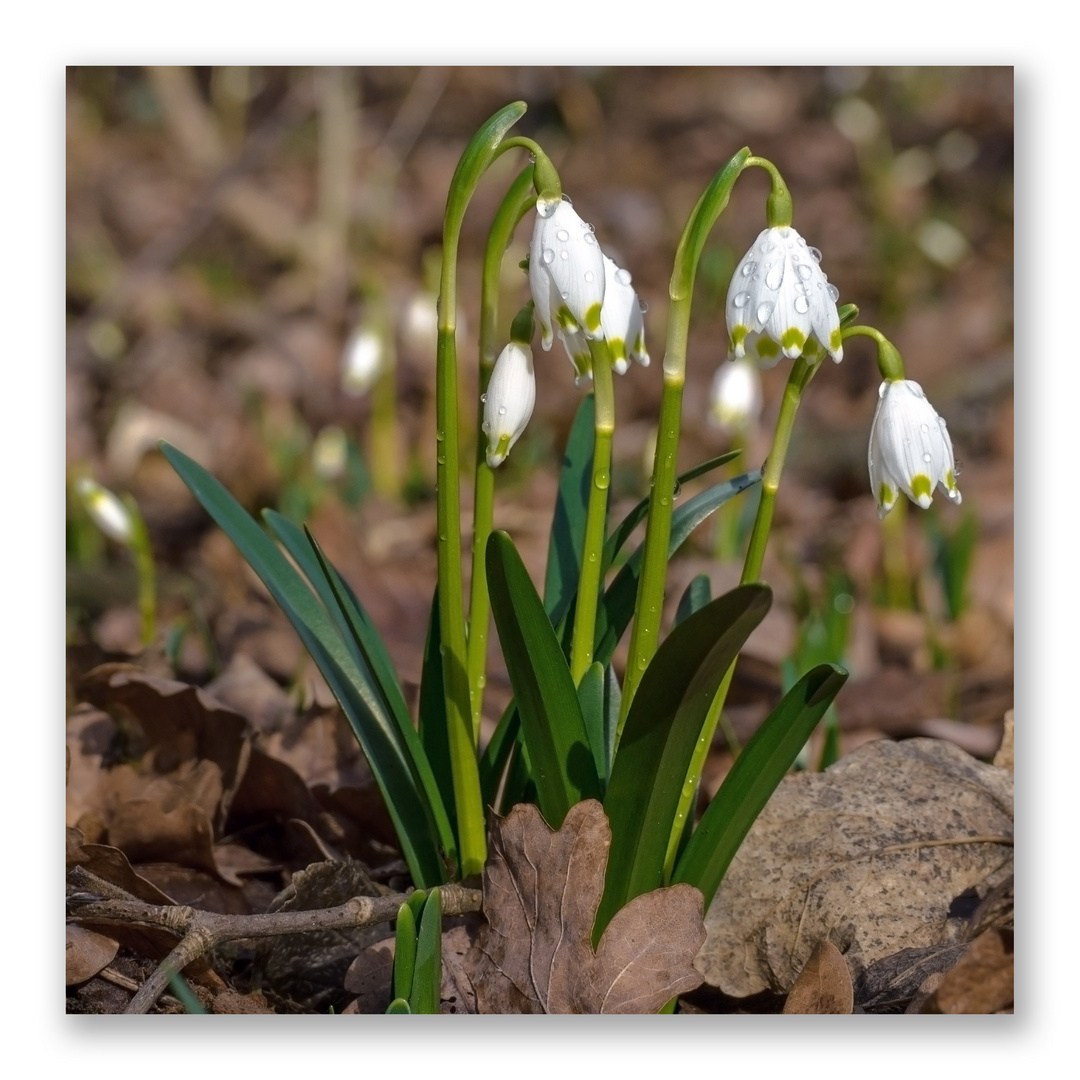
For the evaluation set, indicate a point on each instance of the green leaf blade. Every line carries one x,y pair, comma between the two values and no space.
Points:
662,728
551,722
756,773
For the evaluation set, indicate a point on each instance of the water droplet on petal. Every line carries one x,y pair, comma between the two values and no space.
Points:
563,235
502,410
815,253
741,299
926,458
564,254
589,276
748,268
804,271
768,246
774,276
802,305
589,238
834,292
483,397
785,233
764,311
926,428
623,277
549,256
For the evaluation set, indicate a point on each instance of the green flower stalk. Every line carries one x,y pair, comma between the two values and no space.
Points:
480,153
516,203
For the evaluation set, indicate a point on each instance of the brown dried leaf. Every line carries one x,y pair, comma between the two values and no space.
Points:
541,892
982,980
824,986
86,953
872,853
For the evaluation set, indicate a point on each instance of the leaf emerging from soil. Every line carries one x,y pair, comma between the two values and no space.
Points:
541,892
872,853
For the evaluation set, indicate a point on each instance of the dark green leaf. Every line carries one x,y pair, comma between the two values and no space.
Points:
617,606
432,711
591,699
698,593
416,821
551,721
498,752
625,528
568,525
762,764
662,728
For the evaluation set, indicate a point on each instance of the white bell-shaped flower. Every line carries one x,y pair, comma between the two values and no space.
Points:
910,449
509,401
106,510
566,274
736,399
621,319
780,290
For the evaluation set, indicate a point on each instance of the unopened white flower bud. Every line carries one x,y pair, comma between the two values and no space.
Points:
509,401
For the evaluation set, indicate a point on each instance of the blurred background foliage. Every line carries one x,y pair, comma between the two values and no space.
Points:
231,230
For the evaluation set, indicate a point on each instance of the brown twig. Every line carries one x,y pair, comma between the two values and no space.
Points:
201,931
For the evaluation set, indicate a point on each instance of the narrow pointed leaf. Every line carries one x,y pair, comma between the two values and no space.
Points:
658,740
375,729
591,698
427,972
762,764
404,951
697,594
567,538
432,713
551,721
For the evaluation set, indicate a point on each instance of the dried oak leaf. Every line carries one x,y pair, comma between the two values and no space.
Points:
873,852
541,892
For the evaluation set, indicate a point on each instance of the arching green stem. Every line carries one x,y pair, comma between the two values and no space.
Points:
581,645
890,364
516,203
650,598
478,156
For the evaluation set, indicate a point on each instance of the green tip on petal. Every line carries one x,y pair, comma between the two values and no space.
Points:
592,319
793,340
566,320
922,490
767,349
497,455
886,499
836,339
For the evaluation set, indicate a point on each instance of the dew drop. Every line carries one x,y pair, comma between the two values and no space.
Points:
623,277
816,255
802,242
549,256
926,428
834,292
764,311
644,307
564,254
748,268
589,276
768,246
483,398
804,271
802,305
784,233
589,238
741,299
774,276
926,458
485,427
563,235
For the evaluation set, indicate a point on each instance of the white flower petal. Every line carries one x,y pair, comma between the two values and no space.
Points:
565,256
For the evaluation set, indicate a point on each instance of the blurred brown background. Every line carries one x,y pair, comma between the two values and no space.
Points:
229,228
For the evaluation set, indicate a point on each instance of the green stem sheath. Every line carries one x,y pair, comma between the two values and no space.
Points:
581,646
